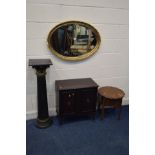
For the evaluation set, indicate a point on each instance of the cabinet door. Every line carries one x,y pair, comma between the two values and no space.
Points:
86,100
67,102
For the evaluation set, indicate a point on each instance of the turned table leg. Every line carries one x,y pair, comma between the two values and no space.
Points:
102,108
119,114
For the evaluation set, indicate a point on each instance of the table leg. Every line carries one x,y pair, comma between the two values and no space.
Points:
119,113
102,113
102,109
119,107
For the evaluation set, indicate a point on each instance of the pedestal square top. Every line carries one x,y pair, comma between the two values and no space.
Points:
39,62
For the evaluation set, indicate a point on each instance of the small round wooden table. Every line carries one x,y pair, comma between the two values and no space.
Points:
110,96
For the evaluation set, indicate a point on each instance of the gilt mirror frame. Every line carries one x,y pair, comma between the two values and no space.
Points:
74,58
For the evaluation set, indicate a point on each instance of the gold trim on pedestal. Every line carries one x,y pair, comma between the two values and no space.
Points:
43,120
41,72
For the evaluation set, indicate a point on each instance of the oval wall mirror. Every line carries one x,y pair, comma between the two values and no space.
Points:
73,40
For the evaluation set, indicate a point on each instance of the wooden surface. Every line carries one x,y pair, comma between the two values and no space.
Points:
39,62
111,92
75,84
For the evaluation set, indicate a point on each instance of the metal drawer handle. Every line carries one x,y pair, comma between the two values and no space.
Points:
69,95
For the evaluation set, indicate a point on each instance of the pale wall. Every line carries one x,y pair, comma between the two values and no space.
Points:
109,66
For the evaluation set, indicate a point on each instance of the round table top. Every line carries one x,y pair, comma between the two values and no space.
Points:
111,92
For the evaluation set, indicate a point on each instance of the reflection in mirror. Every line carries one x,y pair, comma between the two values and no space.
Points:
73,39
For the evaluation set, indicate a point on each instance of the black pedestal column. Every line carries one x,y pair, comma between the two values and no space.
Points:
40,65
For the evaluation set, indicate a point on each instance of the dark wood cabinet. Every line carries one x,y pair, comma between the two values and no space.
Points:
76,97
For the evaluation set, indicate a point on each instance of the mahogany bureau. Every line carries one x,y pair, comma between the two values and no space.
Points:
75,97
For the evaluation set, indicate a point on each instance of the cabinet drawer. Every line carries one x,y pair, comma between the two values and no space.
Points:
86,100
67,102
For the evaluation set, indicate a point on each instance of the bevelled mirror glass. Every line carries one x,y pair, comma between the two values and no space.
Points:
73,40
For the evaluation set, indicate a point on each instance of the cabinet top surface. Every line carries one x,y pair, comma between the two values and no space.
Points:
40,62
75,84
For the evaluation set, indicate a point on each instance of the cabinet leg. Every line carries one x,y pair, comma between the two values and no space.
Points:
61,120
93,116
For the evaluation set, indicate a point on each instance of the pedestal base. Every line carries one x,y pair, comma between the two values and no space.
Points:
43,123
